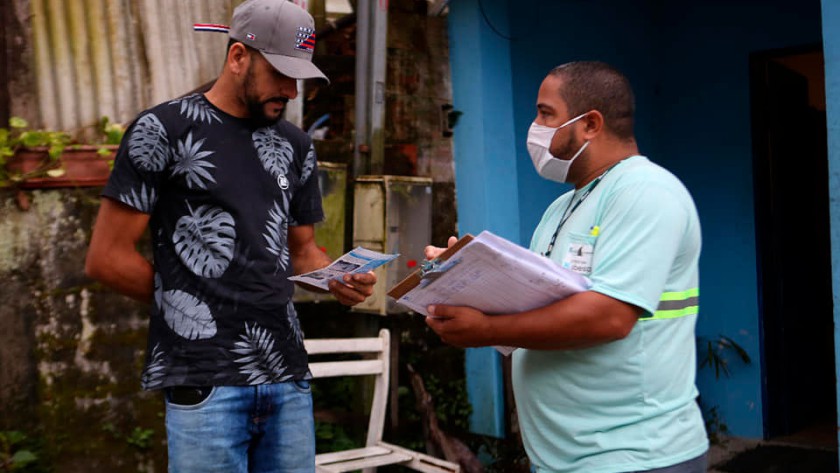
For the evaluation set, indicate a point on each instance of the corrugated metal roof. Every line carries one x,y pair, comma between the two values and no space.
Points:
114,58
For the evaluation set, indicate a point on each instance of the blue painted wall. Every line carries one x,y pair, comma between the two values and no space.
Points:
485,178
547,34
704,136
689,64
831,51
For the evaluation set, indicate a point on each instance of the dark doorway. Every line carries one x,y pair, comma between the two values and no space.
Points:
794,252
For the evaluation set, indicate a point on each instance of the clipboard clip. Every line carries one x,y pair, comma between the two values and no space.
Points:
431,270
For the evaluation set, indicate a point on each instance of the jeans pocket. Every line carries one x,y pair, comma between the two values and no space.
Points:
302,386
188,397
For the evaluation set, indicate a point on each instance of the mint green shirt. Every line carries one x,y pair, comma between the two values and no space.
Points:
627,405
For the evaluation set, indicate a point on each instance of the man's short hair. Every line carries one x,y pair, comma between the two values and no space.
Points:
593,85
232,41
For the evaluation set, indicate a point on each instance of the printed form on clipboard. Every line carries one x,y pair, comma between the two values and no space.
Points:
491,274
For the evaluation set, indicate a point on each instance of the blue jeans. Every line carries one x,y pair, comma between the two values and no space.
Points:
244,429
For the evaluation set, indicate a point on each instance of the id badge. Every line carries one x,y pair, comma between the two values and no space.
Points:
578,255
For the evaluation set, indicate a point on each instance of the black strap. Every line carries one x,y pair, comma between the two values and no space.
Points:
571,209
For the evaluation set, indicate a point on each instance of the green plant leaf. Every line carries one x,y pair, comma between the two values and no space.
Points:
739,350
17,122
33,138
22,458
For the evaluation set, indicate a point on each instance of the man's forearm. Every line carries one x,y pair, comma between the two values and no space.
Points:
309,260
131,275
584,320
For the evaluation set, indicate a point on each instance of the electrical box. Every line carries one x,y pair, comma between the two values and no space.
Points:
329,234
392,214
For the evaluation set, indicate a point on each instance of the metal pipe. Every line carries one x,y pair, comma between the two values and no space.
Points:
360,159
378,67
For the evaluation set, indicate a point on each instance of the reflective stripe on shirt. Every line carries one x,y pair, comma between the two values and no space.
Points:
676,304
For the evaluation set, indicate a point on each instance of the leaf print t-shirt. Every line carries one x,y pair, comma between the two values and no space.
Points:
221,194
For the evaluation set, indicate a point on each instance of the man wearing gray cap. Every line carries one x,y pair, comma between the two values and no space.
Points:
229,191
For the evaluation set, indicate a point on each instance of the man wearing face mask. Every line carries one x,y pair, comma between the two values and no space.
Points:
603,380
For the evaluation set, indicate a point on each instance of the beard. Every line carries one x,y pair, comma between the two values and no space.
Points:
566,150
256,107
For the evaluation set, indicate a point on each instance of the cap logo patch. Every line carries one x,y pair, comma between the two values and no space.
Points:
250,36
305,39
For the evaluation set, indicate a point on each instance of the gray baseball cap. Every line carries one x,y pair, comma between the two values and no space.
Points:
283,32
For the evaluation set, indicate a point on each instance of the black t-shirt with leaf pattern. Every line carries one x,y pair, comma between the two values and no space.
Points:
221,193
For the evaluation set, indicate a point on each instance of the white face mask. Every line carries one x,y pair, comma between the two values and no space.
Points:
548,165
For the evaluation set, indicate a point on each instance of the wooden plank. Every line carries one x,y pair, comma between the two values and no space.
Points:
330,369
379,404
343,345
394,384
333,457
350,460
423,462
361,463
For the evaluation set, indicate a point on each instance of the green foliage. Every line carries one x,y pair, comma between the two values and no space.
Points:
338,396
139,438
502,455
716,428
112,132
19,453
18,135
452,406
330,437
715,355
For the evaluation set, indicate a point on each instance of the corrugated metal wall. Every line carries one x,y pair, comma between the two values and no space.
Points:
114,58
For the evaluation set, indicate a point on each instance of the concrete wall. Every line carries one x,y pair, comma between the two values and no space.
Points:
70,352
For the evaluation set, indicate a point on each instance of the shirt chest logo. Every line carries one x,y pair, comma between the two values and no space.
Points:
282,182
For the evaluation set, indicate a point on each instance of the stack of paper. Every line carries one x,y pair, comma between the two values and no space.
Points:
493,275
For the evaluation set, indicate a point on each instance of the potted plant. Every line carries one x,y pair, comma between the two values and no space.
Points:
47,159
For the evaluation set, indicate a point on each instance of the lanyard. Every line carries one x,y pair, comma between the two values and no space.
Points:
571,209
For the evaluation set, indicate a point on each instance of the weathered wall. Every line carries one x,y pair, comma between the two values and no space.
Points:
418,98
70,352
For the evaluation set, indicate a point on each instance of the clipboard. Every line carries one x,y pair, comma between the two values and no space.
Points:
490,274
429,271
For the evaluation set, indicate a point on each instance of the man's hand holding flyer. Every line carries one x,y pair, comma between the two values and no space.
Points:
357,260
